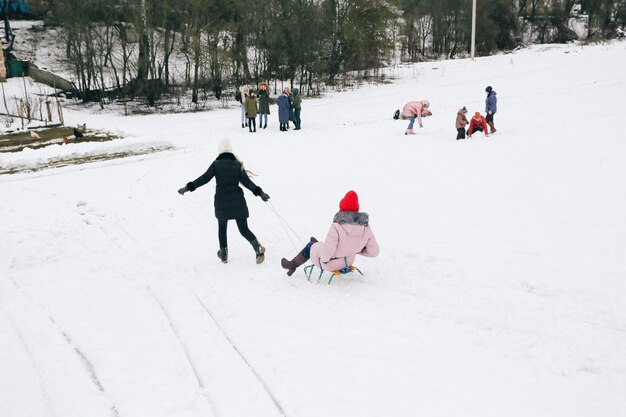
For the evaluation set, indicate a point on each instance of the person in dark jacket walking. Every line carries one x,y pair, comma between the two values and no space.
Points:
491,106
283,109
264,104
230,203
297,108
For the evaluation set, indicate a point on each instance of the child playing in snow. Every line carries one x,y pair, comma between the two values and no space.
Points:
461,122
229,200
349,235
477,124
412,110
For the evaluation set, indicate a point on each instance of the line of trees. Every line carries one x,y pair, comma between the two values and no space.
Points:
129,48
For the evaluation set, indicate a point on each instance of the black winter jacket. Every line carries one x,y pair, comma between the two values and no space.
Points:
264,101
229,200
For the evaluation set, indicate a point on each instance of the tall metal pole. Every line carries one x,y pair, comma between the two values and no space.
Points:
473,28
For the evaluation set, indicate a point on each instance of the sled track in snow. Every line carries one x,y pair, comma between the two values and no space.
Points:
240,354
194,368
87,365
31,358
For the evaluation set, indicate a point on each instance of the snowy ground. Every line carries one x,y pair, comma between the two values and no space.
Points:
499,290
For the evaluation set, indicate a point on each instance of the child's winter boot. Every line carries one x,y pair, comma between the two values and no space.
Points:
409,132
223,254
300,258
493,128
259,250
293,264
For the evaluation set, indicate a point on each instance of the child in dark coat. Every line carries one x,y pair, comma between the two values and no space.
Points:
230,203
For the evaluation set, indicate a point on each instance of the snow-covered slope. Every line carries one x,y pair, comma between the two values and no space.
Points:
499,290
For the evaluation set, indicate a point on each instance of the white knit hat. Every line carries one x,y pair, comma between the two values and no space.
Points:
225,146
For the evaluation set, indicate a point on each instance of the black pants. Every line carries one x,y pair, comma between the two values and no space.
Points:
460,133
489,117
476,129
242,225
252,124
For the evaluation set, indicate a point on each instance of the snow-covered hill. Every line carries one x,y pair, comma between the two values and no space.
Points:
499,290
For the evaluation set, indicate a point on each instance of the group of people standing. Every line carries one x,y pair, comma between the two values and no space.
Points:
478,123
289,107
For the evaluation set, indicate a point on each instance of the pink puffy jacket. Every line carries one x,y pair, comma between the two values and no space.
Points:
348,236
414,108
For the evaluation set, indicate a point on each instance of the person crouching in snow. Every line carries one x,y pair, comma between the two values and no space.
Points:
461,122
415,109
230,202
348,236
477,124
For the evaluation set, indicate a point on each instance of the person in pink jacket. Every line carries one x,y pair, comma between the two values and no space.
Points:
348,236
414,109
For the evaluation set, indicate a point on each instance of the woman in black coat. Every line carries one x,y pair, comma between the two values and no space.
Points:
229,199
264,104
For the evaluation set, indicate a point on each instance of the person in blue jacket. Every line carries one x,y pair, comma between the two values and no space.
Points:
284,109
491,106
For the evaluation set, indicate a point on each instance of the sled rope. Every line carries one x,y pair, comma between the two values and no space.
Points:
285,226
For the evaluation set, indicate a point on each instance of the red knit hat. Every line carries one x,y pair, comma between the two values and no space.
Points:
350,202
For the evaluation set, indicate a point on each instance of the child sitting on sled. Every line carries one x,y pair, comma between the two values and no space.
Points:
348,236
